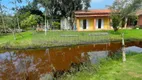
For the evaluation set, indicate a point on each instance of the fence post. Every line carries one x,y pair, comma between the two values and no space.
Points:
123,48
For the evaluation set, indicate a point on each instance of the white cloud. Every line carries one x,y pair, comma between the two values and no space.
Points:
97,1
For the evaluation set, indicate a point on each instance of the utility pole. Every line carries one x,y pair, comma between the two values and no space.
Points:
45,23
123,49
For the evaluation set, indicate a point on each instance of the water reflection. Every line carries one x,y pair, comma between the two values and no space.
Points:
134,49
33,64
16,66
96,56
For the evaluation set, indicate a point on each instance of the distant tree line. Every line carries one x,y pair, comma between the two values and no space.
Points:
39,12
50,12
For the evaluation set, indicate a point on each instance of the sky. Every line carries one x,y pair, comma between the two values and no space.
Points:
9,5
100,4
95,4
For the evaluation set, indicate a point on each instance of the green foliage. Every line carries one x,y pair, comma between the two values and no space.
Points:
56,25
63,8
112,69
133,19
125,9
116,21
24,16
137,27
39,38
31,21
11,22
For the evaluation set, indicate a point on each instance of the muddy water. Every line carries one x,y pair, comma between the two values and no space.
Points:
32,64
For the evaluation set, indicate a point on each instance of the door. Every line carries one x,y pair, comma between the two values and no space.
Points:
84,24
99,24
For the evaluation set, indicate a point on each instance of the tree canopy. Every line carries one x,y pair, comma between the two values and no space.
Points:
63,8
122,9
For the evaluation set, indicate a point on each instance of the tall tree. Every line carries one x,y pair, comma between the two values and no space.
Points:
126,8
15,9
2,16
28,10
63,8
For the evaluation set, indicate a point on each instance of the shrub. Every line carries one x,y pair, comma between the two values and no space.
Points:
31,21
116,21
137,27
56,25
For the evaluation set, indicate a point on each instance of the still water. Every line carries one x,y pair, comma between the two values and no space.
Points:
33,64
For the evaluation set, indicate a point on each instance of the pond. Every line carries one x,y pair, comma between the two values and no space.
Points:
33,64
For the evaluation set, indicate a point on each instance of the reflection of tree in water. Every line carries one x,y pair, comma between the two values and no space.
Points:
17,67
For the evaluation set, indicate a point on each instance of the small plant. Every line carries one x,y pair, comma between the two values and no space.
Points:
56,25
137,27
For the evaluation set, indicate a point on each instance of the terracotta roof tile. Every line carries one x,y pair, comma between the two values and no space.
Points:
93,13
103,15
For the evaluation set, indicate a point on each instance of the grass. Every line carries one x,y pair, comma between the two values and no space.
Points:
33,39
113,70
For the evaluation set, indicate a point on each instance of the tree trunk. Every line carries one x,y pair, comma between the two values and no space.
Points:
115,29
13,32
2,18
126,20
17,19
72,21
18,22
3,24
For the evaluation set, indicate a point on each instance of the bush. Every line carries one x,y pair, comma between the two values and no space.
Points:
116,21
31,21
56,25
137,27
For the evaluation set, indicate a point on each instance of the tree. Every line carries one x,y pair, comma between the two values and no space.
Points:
30,7
31,21
63,8
25,12
116,21
125,8
15,9
2,16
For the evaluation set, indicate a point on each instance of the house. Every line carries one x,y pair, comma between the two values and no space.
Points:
139,14
92,20
139,20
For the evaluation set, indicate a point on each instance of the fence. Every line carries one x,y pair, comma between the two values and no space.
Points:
62,38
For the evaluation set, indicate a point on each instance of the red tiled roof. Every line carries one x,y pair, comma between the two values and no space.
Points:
93,13
102,15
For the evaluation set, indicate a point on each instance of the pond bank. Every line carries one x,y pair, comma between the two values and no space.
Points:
35,40
60,46
112,69
54,60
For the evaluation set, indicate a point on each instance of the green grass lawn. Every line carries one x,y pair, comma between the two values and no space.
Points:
113,70
33,39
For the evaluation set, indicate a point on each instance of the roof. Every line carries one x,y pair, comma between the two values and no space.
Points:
93,13
139,12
